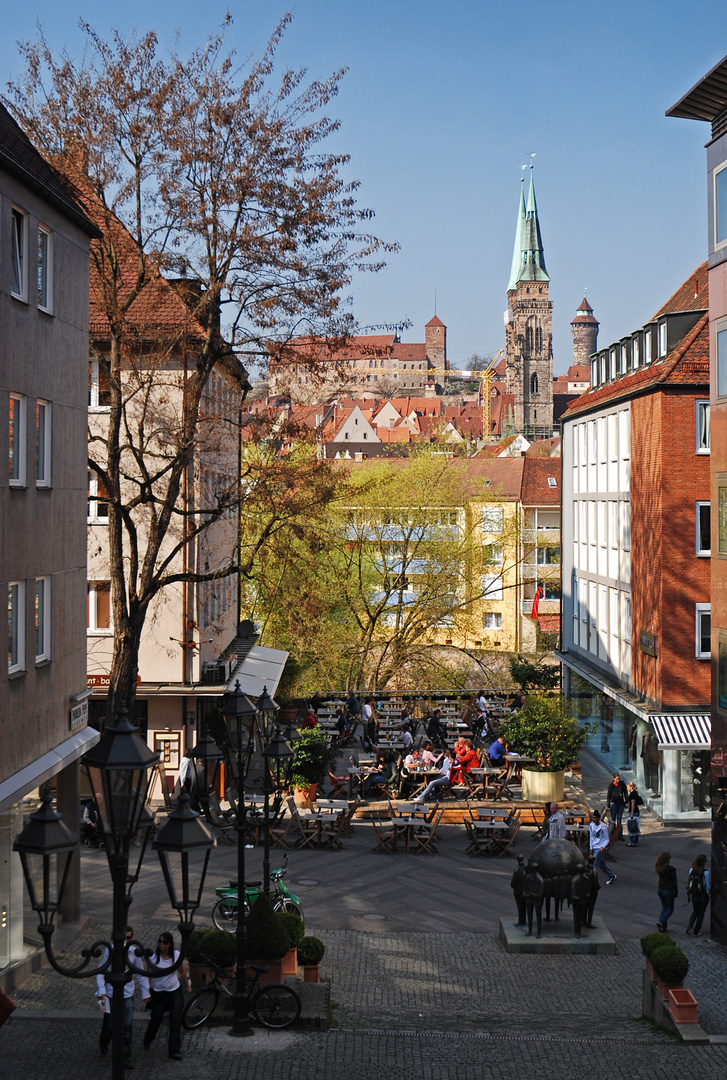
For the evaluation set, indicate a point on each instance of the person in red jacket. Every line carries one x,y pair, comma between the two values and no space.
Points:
465,760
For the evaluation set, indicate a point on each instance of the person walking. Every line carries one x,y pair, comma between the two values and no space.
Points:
633,822
616,797
105,993
598,842
556,824
667,888
698,893
166,996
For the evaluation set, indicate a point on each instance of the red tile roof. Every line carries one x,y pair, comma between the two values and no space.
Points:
536,491
436,321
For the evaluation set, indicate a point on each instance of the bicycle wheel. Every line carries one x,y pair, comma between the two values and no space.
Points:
276,1006
200,1007
286,904
224,915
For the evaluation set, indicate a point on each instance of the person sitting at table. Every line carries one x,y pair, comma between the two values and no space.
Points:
497,751
406,737
371,732
386,772
435,728
342,723
429,758
411,761
316,701
465,760
443,778
352,706
310,720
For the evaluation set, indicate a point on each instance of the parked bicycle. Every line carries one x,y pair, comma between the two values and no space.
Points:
224,913
276,1006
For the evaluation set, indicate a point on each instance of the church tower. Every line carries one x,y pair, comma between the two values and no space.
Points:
529,327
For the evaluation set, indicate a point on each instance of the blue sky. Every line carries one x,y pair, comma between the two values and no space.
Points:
440,108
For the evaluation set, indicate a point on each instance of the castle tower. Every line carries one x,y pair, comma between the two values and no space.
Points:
584,329
529,327
435,343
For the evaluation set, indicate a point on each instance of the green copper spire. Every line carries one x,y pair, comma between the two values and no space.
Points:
528,258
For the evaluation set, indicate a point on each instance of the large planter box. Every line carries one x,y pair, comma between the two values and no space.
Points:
683,1006
543,787
290,962
312,973
274,974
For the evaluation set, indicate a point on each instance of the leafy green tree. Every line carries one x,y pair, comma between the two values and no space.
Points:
545,731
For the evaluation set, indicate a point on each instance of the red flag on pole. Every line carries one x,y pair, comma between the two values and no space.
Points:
539,595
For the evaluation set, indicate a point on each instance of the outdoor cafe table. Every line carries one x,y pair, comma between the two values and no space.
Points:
481,785
359,773
322,809
419,778
515,763
406,817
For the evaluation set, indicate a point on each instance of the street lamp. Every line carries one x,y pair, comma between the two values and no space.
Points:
207,754
278,759
240,717
118,770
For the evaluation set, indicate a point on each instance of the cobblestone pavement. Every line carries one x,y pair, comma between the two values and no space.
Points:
421,985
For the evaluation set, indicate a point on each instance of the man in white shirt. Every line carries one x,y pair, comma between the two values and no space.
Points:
105,991
598,842
406,737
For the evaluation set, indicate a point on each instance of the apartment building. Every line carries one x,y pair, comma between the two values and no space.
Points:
636,548
44,259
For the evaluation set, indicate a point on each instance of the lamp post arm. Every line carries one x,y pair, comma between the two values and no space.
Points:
93,952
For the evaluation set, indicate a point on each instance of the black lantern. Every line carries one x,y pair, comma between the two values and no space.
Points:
207,753
239,715
118,772
184,844
145,830
267,711
279,756
45,847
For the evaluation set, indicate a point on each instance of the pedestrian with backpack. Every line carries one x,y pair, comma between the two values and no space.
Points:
633,826
698,893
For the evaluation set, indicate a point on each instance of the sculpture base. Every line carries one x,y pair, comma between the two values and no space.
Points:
557,937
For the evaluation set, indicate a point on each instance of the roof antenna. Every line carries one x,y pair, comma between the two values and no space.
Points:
435,301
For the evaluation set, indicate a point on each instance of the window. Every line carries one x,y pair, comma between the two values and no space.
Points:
722,358
626,525
19,228
492,554
552,482
702,427
42,443
613,364
492,519
624,359
647,347
549,556
720,206
662,338
492,620
42,619
99,607
45,270
635,352
491,585
551,590
704,521
98,505
627,618
594,372
16,626
703,644
17,440
722,520
99,395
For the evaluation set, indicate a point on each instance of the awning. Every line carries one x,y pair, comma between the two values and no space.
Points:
682,731
260,668
43,768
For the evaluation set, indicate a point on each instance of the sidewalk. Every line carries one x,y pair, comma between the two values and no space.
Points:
421,987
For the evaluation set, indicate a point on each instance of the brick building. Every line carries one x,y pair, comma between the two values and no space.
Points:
636,546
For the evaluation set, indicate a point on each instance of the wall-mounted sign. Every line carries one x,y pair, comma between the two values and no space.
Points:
79,715
647,642
103,681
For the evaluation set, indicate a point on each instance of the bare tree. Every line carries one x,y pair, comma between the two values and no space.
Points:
214,173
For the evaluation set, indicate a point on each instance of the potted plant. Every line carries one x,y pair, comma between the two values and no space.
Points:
267,941
313,758
310,953
682,1005
670,967
544,731
651,942
294,929
219,947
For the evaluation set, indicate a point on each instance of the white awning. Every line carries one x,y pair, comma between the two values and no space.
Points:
260,668
43,768
682,731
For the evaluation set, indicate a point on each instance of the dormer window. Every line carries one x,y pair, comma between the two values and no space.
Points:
624,359
662,338
635,352
647,347
612,364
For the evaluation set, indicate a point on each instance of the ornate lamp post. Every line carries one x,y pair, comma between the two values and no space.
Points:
278,758
207,754
118,770
240,717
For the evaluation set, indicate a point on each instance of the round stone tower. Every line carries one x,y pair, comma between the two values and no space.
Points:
584,328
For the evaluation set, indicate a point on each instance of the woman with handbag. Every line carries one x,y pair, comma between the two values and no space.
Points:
633,824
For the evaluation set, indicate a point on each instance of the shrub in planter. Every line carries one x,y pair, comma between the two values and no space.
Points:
266,938
670,964
293,926
219,946
544,731
651,942
310,951
313,758
193,953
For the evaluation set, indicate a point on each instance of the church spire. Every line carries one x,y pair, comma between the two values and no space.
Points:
528,259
